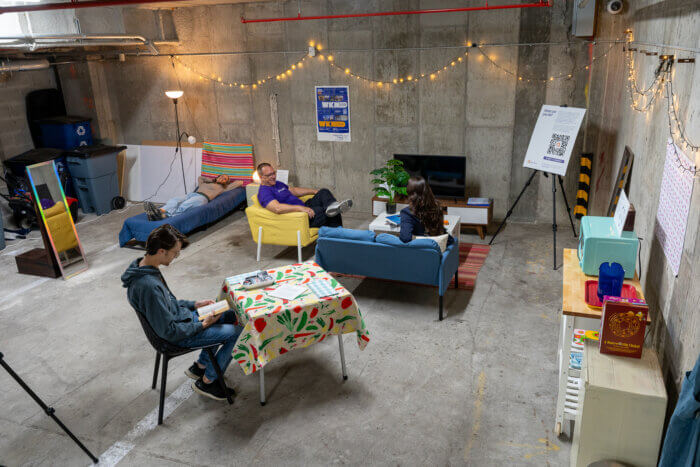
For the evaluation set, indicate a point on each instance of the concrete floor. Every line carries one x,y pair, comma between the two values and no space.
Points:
477,389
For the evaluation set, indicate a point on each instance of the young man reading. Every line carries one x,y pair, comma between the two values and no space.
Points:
176,321
279,198
207,190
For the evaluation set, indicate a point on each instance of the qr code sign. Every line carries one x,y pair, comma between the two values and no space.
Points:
557,145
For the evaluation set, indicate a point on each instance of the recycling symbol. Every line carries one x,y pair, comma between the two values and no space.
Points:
80,130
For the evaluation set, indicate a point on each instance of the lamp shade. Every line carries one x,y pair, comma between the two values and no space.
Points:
174,94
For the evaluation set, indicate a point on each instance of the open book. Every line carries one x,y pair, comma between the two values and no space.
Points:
213,309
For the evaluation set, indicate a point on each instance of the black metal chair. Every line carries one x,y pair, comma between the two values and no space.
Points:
169,351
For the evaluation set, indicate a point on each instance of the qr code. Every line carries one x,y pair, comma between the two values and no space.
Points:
557,145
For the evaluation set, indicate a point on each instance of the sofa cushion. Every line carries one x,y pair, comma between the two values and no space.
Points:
393,240
346,234
441,240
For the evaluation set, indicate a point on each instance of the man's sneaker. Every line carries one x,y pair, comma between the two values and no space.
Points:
338,207
194,372
211,390
153,213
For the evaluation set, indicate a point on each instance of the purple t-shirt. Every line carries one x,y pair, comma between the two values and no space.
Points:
280,192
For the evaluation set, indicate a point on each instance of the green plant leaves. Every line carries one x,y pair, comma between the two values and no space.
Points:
381,191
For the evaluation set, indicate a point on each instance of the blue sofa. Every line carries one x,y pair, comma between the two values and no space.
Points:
139,227
385,256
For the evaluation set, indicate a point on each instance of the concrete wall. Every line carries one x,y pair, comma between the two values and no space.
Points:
474,109
14,131
613,124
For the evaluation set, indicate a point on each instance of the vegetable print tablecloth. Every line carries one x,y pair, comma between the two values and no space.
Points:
275,326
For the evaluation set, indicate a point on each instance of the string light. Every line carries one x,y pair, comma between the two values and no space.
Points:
663,80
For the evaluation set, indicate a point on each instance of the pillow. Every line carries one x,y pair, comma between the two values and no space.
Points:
346,234
441,241
393,240
234,160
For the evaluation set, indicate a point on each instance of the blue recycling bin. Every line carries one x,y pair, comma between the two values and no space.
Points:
66,132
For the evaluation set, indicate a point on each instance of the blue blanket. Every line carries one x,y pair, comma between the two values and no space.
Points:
139,227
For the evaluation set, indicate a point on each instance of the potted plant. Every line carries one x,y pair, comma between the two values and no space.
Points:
390,180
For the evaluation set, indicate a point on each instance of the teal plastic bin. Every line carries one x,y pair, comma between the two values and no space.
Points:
600,243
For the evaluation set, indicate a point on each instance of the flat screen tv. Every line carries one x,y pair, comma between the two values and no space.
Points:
446,175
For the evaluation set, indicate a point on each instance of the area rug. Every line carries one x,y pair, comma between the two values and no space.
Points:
471,257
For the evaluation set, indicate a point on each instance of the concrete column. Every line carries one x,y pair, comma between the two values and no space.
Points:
529,98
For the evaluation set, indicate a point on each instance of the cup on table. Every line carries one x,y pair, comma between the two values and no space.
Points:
610,279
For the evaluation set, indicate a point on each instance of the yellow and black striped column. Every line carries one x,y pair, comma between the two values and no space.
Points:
584,185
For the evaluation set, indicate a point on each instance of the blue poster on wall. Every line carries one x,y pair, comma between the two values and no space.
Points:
332,113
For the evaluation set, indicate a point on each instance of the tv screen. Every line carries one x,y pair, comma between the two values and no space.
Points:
446,175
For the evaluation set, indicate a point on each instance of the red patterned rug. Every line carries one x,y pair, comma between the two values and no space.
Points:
471,257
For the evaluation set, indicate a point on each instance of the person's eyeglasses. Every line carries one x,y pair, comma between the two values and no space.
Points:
270,174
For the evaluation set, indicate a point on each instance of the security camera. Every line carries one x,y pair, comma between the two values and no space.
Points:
614,6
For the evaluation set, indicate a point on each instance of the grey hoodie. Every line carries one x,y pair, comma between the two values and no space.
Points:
148,293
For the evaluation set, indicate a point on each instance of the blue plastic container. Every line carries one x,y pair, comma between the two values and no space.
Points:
610,279
66,132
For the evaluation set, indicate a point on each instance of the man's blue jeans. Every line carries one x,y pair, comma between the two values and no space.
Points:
223,332
180,204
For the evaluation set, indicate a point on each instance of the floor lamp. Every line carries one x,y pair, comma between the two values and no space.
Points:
175,95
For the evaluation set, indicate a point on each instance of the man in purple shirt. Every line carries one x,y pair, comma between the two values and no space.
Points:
279,198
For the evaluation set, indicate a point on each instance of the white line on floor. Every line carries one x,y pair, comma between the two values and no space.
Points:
21,290
121,448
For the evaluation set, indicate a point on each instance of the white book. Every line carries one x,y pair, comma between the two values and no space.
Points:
213,309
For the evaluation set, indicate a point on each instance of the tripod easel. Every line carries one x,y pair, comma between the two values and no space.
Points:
554,210
49,410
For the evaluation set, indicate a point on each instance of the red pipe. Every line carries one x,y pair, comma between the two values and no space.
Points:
541,3
73,4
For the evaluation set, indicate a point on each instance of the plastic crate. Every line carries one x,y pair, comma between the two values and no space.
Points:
66,132
96,194
93,161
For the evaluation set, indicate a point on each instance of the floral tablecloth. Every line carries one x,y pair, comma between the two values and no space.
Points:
275,326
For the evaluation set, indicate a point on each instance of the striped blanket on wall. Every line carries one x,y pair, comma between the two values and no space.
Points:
234,160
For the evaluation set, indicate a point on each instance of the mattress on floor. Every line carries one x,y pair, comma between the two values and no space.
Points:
139,227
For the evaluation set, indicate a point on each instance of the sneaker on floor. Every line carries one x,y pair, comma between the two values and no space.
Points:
153,213
194,372
338,207
211,390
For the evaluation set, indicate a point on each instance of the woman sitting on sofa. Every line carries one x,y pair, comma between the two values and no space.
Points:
423,216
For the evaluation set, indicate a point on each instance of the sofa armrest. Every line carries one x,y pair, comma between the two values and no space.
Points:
448,266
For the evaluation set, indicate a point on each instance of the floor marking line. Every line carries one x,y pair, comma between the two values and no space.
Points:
121,448
478,403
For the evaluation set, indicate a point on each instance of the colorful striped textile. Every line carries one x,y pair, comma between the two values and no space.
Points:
234,160
471,257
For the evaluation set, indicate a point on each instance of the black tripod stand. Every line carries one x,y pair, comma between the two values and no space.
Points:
554,210
49,410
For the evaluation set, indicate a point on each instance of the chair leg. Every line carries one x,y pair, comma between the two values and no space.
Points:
457,279
163,380
219,374
155,371
259,241
440,305
299,244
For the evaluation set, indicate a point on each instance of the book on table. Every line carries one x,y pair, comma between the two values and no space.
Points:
478,201
394,220
213,309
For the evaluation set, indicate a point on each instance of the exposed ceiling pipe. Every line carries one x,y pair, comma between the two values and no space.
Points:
23,65
77,5
541,3
34,43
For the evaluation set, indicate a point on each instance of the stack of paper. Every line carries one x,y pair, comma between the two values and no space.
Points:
288,291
